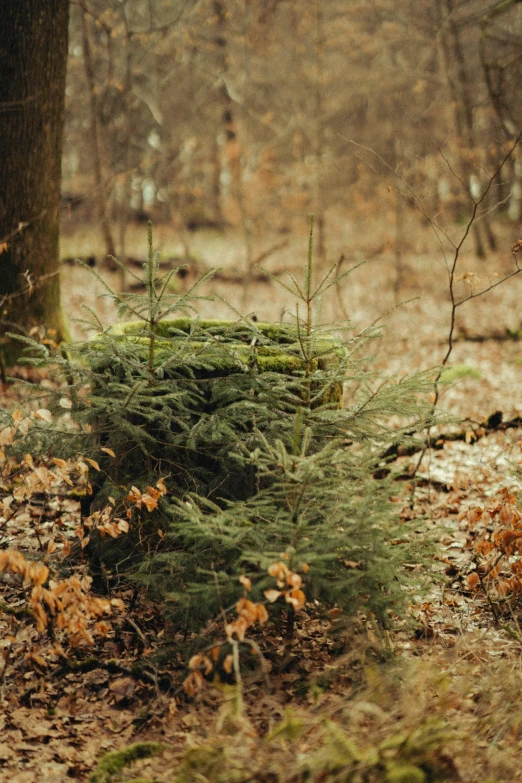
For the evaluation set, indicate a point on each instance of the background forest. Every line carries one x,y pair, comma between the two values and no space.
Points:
228,124
254,115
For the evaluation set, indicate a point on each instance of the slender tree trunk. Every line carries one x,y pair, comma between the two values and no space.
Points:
499,92
215,183
461,89
101,189
33,61
319,139
227,140
399,245
126,190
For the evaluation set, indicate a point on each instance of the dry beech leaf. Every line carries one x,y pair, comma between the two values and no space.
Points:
228,664
201,662
193,683
44,415
247,609
108,451
38,573
473,580
272,595
65,402
294,580
296,598
280,572
149,502
239,628
37,658
122,688
92,463
7,436
195,661
245,581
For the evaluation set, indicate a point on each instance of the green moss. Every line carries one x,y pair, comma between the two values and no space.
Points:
114,762
212,763
404,773
141,780
452,374
229,347
281,333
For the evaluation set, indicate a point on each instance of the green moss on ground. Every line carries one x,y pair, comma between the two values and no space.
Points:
114,762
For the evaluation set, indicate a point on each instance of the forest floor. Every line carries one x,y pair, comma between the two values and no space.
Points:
444,686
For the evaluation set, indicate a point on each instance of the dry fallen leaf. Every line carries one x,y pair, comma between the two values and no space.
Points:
296,598
193,683
122,688
245,581
44,415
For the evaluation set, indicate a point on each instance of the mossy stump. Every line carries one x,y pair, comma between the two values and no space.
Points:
236,347
193,374
186,402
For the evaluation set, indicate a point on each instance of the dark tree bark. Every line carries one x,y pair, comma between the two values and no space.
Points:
33,60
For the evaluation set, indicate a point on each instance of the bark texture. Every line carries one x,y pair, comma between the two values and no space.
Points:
33,61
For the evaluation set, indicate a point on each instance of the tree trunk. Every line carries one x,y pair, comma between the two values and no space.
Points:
318,144
33,61
227,141
462,91
99,183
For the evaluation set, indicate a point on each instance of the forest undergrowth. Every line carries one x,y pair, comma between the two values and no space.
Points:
433,698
